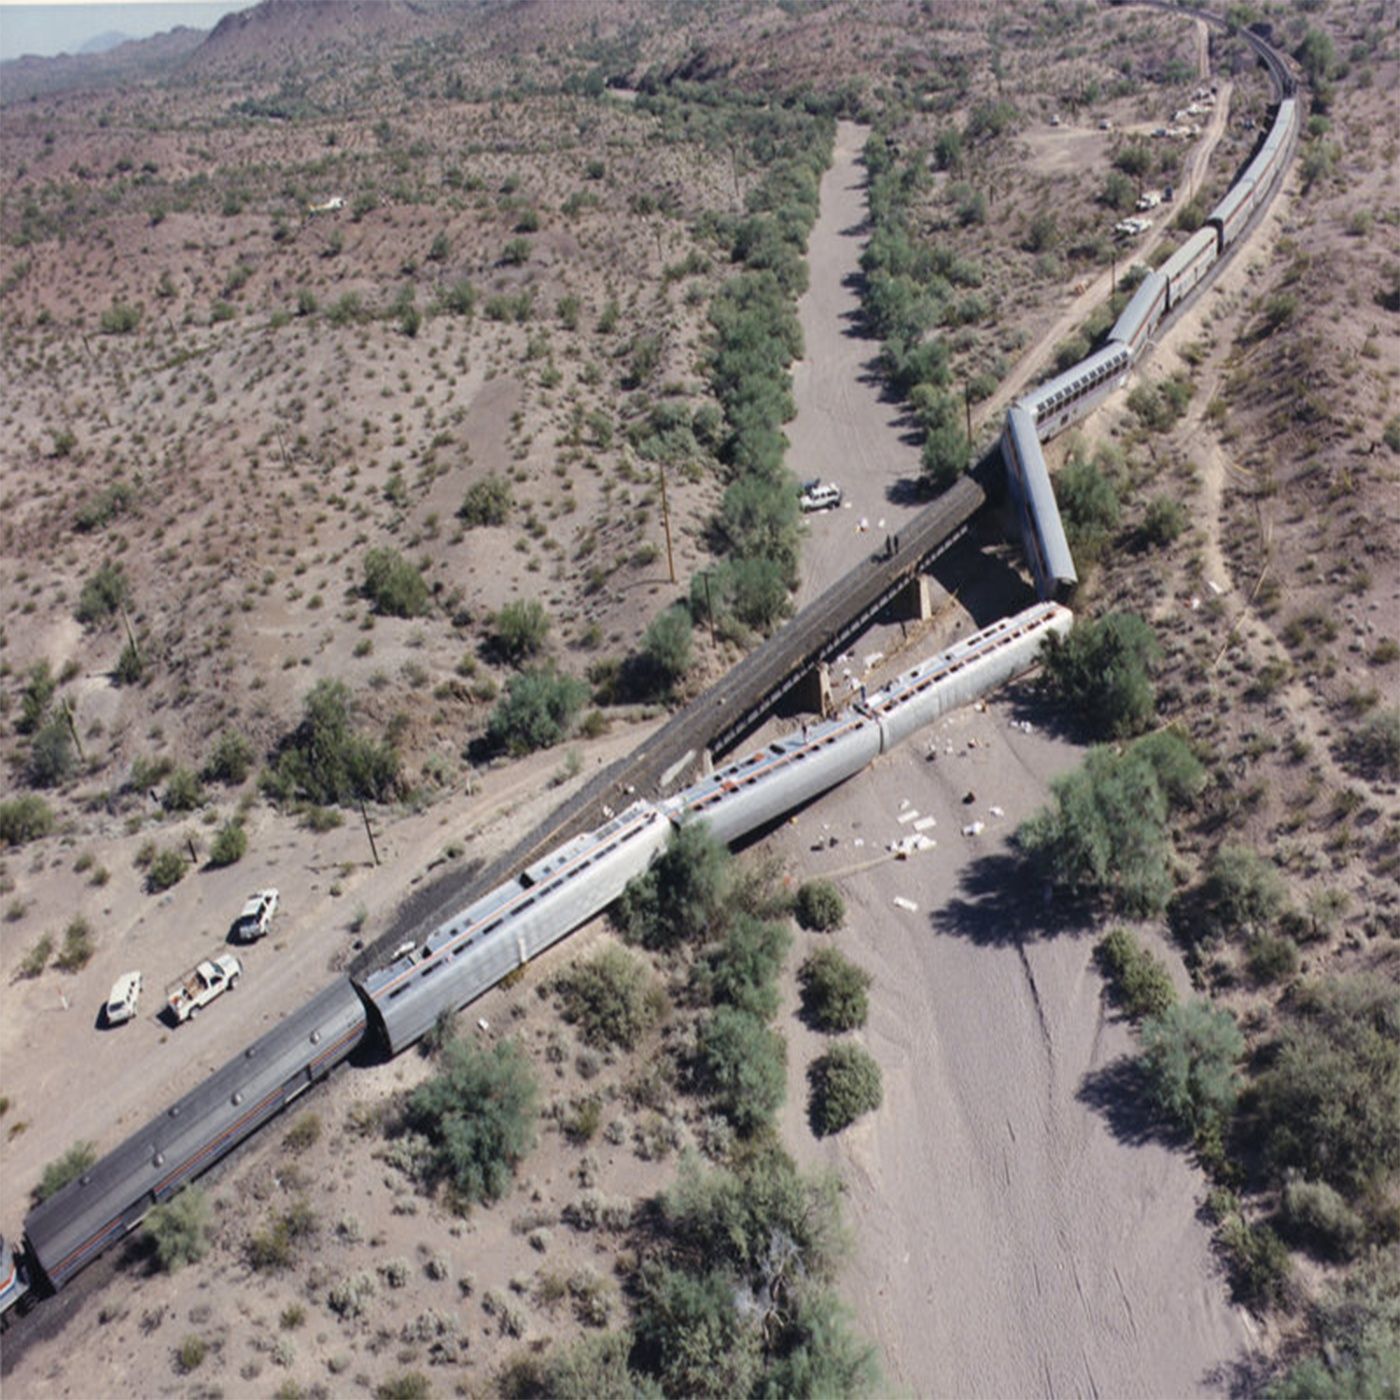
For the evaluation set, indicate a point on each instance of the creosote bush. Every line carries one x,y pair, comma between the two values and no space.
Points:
612,997
24,819
167,868
1140,981
845,1083
538,710
487,502
835,992
393,586
819,906
229,845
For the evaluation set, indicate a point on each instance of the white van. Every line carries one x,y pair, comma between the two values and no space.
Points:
818,495
121,1001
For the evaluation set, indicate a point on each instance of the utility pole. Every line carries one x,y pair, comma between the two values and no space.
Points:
369,831
709,606
967,410
666,522
73,728
130,635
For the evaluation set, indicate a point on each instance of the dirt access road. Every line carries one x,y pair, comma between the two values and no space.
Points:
1014,1236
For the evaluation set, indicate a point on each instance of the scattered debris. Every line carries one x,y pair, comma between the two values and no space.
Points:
911,815
924,823
969,797
907,905
974,828
997,811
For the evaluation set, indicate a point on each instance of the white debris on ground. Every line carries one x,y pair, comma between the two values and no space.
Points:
974,828
924,823
997,811
907,845
907,905
910,816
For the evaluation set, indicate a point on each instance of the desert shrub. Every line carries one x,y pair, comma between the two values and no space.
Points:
1373,748
1102,672
38,694
613,998
1260,1270
744,1065
844,1083
190,1354
478,1114
679,899
166,869
538,710
393,586
587,1369
835,991
273,1248
230,760
1327,1100
1088,501
23,819
230,844
411,1385
742,969
325,761
52,759
820,1355
1106,833
518,631
1242,893
666,649
1190,1053
692,1336
304,1134
487,502
77,1160
77,946
1158,406
351,1296
1354,1328
819,906
183,792
1272,957
1315,1216
37,958
1165,521
178,1231
120,319
1140,981
103,593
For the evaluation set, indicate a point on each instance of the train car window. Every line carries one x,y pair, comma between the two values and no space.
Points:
430,969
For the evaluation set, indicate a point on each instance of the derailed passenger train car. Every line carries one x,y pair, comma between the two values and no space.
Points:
112,1197
515,922
1042,531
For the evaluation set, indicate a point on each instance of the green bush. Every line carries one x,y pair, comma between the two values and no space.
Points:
1190,1053
23,819
1328,1098
230,760
1261,1273
613,998
1088,503
274,1247
393,586
325,761
52,757
77,1160
1165,521
165,870
120,319
835,991
1272,958
77,946
183,792
844,1083
1102,672
478,1114
744,1065
742,969
1242,893
1373,750
229,845
1106,834
680,898
538,710
38,696
190,1354
1140,982
666,648
487,502
178,1232
1316,1217
518,630
103,593
693,1337
819,906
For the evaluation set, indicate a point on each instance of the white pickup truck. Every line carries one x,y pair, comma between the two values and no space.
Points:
198,988
256,918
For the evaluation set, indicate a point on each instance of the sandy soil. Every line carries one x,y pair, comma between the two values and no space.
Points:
1011,1237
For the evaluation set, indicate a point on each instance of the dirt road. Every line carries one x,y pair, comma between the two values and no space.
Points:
846,430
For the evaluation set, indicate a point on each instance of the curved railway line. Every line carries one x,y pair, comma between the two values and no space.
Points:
574,864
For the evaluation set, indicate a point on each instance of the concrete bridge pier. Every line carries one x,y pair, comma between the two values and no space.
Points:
913,602
812,693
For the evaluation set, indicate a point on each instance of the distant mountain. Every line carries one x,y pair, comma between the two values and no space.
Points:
130,61
100,43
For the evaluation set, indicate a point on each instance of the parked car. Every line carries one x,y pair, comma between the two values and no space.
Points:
256,917
817,495
122,999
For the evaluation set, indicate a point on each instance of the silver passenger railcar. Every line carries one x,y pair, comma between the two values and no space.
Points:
79,1221
1042,531
512,924
1140,317
1058,402
965,671
1185,268
754,790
